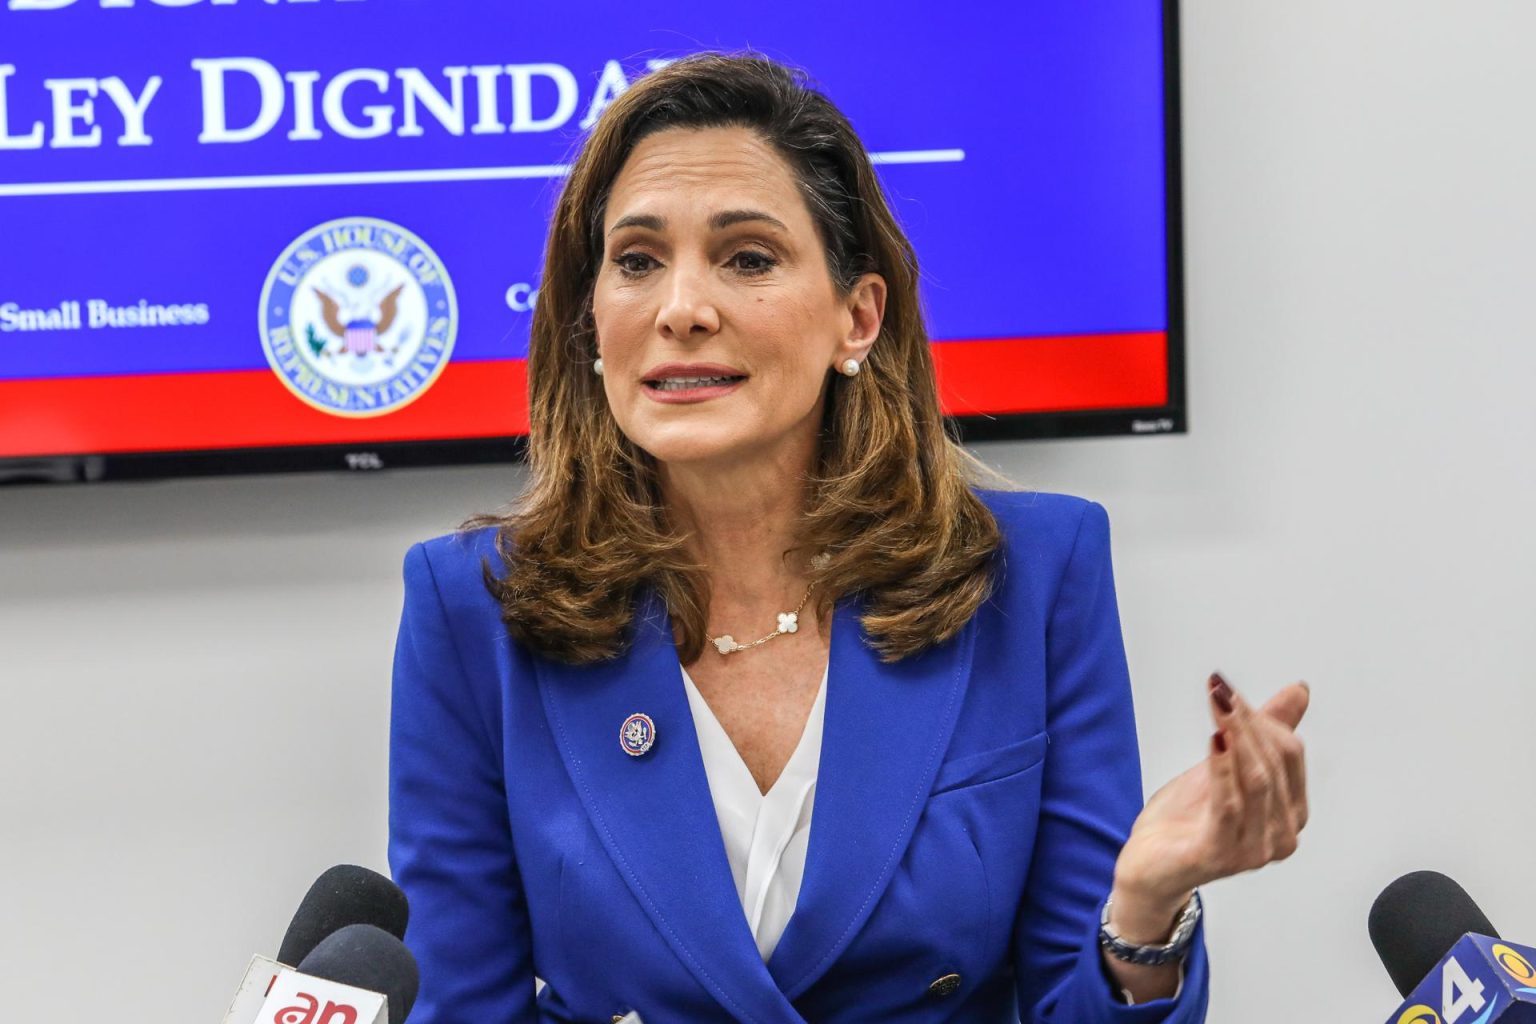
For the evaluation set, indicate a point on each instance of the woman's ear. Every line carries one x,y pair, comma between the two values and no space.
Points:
866,308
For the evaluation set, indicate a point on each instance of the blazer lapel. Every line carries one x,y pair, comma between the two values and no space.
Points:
886,730
654,812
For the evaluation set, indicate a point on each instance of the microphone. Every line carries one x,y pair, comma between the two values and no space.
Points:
297,997
1446,959
344,895
1417,919
367,957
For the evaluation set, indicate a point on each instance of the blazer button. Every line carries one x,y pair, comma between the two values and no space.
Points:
945,985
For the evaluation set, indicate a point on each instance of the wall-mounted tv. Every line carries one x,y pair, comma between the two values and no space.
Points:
273,235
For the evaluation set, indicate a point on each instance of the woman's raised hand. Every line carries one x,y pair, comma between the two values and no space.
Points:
1240,808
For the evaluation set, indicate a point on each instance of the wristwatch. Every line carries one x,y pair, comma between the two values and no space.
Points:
1153,956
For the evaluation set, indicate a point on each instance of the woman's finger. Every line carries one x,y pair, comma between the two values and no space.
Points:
1258,776
1280,748
1234,805
1290,704
1294,754
1281,714
1255,755
1299,786
1266,828
1226,794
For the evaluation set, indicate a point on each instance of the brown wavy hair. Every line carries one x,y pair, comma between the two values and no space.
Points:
890,498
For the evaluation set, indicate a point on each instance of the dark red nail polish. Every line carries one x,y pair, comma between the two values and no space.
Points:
1221,693
1220,742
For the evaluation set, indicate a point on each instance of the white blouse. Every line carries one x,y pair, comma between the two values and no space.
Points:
765,834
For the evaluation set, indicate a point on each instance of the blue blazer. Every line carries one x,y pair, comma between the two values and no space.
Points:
970,805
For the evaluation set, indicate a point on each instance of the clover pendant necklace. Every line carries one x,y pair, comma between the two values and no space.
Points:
789,622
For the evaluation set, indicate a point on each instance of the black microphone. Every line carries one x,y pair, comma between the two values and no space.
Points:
1445,958
367,957
345,894
1415,922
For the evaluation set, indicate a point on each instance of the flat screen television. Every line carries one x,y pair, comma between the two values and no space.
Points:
278,235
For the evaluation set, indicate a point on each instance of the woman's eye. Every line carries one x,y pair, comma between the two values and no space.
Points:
752,262
633,263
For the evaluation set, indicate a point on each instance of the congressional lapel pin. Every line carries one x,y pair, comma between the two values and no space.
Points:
637,734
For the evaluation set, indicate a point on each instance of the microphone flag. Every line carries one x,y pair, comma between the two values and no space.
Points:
1480,981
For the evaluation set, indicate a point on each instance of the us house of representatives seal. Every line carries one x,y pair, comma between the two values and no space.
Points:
358,317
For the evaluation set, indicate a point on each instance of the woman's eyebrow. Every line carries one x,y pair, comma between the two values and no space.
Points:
717,221
639,220
726,218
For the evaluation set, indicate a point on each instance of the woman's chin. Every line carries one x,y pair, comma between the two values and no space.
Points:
685,453
709,441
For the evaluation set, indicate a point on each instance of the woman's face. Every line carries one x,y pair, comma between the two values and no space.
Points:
710,257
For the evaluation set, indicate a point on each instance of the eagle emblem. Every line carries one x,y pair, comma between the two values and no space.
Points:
351,323
358,317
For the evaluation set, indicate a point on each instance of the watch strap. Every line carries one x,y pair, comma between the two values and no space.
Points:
1152,955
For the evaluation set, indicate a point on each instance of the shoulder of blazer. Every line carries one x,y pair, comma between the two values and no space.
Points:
1041,529
472,624
1040,510
453,568
455,559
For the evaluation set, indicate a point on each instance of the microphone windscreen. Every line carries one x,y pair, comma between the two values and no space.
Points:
367,957
1416,920
343,895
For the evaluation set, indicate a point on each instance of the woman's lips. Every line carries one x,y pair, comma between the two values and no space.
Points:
693,393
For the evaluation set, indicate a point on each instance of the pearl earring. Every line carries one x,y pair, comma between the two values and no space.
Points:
851,367
597,367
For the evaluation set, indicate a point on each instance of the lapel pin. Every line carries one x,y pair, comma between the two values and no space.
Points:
637,734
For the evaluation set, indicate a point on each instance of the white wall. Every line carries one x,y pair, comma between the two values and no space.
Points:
195,673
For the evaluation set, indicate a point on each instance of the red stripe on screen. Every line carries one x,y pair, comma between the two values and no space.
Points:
1079,371
245,409
253,409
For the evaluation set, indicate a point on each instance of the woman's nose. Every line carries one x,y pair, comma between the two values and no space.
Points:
686,306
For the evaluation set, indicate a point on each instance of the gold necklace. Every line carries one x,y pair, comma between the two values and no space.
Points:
789,622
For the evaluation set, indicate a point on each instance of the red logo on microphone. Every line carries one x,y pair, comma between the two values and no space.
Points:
313,1013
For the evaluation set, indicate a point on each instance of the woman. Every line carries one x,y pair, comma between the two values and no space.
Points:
754,708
